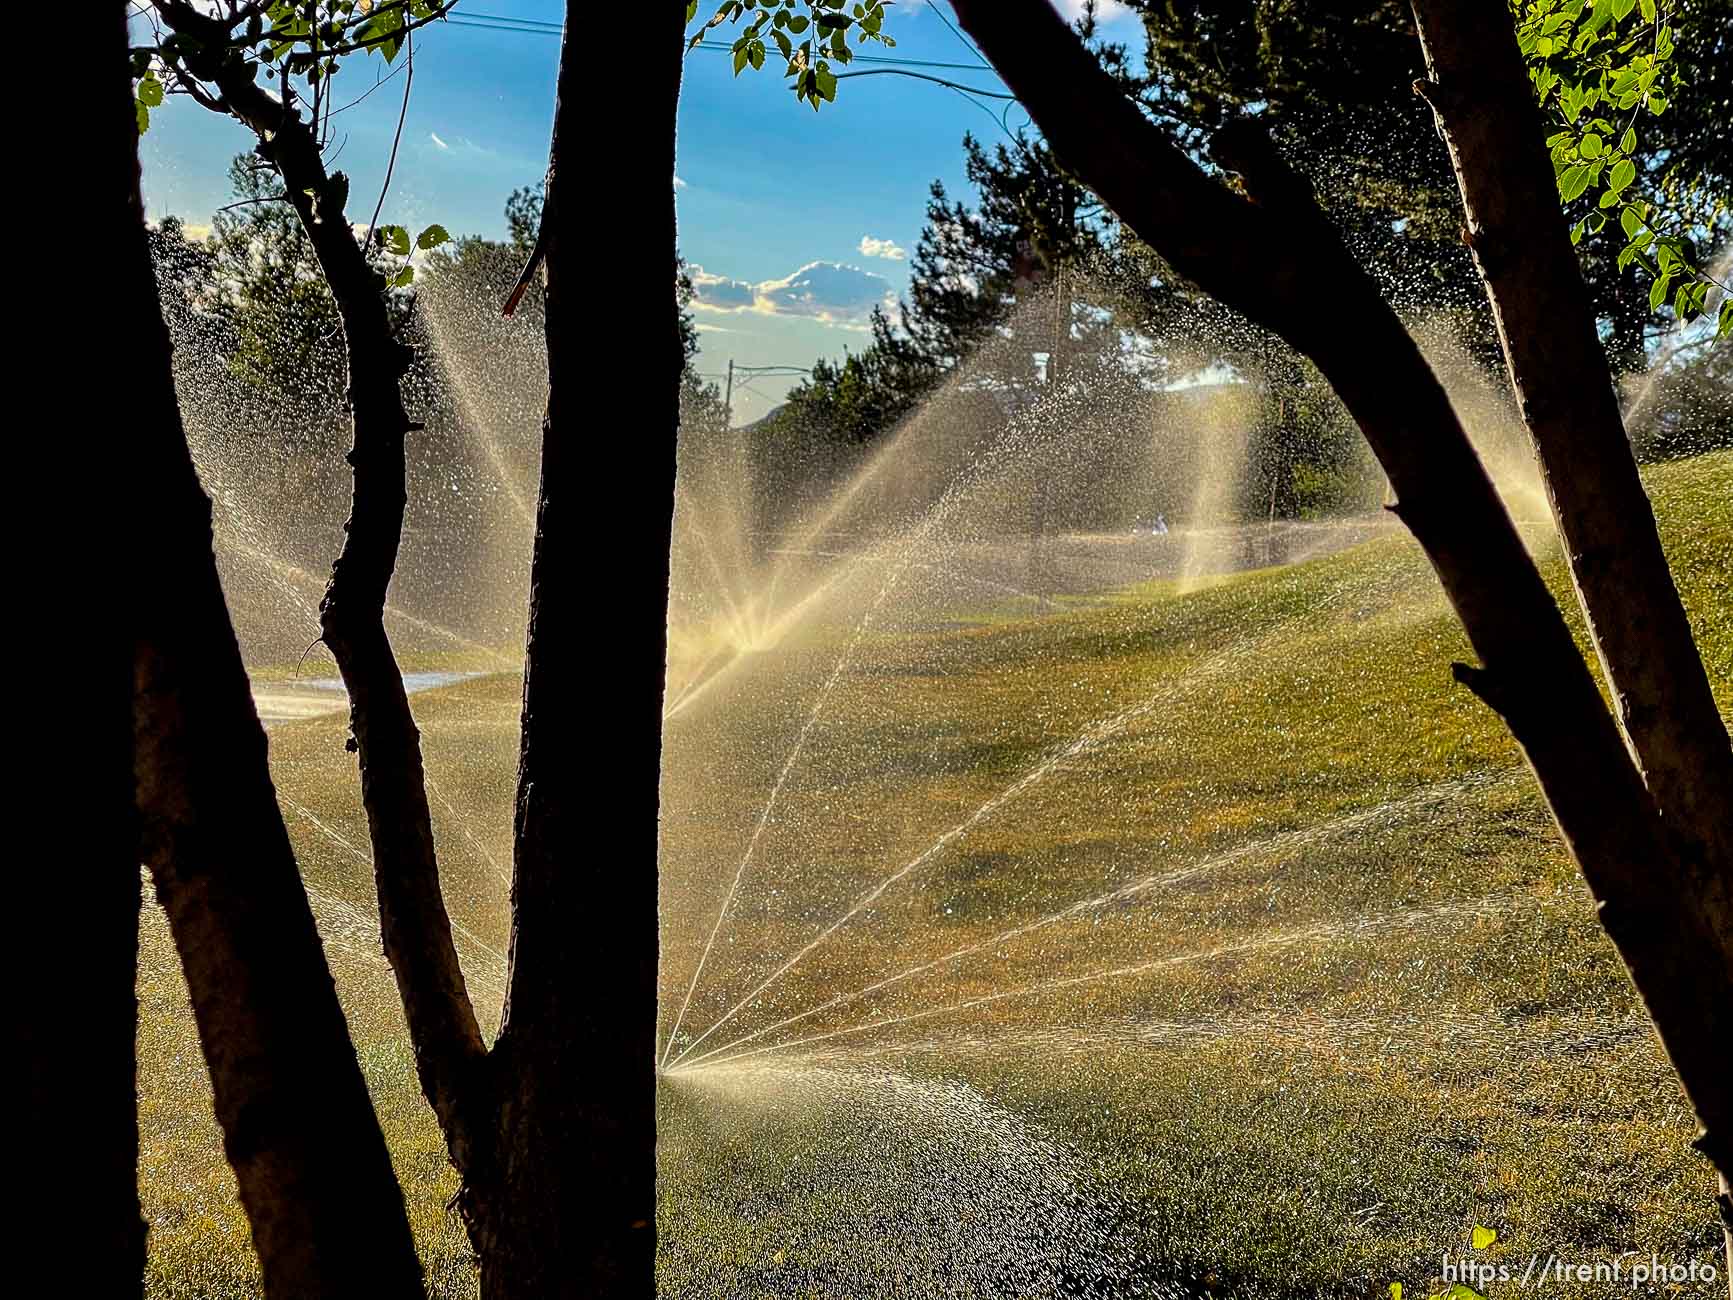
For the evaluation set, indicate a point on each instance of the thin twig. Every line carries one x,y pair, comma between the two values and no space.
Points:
267,198
344,108
408,82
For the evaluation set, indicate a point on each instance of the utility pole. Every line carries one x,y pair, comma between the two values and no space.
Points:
728,397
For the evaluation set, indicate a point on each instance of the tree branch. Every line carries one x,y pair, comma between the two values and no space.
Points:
1482,98
310,1163
450,1056
1272,256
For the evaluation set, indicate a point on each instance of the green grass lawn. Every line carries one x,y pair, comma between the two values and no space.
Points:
1214,938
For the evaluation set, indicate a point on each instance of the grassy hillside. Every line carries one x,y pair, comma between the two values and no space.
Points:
1213,938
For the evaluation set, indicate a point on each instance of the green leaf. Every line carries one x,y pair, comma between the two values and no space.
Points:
1574,182
1622,9
1590,145
395,238
402,278
1481,1237
1624,172
1630,222
1658,293
143,118
1628,141
826,81
432,237
150,91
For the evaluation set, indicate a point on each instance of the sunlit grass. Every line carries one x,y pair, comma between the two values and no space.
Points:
1362,1001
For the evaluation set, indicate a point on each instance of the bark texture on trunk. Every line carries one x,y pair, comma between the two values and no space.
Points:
576,1055
450,1056
1546,324
326,1213
1483,100
1272,256
564,1103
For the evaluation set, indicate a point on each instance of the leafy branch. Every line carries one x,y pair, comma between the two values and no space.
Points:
824,26
395,240
1596,74
284,39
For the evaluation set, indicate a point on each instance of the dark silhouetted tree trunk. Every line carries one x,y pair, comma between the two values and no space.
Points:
416,930
78,904
1272,256
553,1131
326,1214
576,1168
1521,244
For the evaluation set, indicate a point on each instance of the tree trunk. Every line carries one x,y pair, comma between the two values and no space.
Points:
1521,244
81,1147
576,1174
327,1216
564,1104
1275,259
450,1057
80,904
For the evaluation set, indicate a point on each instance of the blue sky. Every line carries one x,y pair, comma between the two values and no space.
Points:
767,189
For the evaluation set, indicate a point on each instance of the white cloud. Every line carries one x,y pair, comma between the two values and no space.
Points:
829,292
888,249
720,292
433,136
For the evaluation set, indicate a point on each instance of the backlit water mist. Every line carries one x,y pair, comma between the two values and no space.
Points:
1077,877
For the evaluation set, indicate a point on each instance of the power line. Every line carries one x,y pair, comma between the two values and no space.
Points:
939,11
891,65
921,76
542,27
